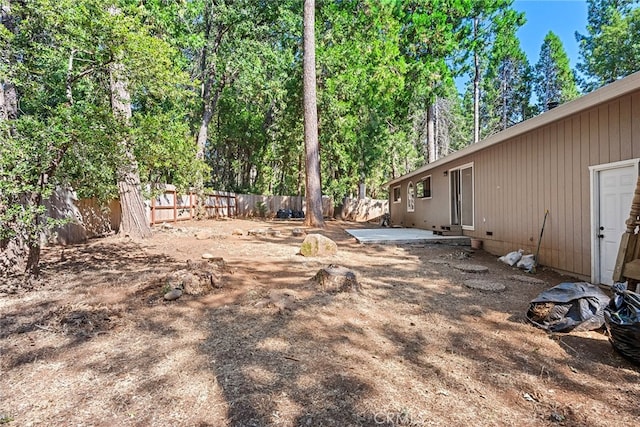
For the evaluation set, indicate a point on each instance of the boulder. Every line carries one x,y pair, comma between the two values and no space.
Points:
318,245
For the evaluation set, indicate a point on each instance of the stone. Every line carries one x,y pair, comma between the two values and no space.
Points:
283,299
273,233
318,245
257,232
173,294
203,235
237,232
298,232
337,279
471,268
484,285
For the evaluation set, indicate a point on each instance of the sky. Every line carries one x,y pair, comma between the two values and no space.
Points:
563,17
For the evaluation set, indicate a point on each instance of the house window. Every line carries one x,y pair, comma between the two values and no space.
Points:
423,188
411,200
462,198
396,194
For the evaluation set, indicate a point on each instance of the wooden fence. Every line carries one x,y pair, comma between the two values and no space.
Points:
172,206
363,210
90,218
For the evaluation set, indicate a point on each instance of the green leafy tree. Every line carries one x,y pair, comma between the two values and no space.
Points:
361,82
249,66
555,82
611,48
71,62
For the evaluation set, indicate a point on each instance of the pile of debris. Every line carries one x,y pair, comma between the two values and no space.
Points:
197,278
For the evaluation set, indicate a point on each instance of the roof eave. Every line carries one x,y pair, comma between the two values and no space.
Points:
604,94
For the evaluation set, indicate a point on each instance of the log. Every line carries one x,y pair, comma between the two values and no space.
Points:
337,279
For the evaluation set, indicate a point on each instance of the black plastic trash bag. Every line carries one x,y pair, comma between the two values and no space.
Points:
569,306
622,318
284,213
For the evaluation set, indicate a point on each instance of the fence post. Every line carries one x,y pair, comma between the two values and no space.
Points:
153,210
175,207
190,205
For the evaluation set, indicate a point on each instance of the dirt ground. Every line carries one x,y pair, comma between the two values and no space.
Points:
97,345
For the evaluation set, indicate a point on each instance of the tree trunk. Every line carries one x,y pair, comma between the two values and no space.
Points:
431,134
210,102
8,93
3,112
203,132
201,142
476,86
8,101
134,221
442,122
313,187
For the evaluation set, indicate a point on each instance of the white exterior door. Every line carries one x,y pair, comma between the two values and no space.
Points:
615,190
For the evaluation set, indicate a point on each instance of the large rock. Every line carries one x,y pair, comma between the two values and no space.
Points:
318,245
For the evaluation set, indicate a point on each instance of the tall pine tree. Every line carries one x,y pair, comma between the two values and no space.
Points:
507,87
555,82
489,21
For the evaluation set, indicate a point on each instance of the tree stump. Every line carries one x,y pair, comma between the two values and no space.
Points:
199,278
337,279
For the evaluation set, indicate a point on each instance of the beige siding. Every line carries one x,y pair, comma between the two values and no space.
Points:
544,168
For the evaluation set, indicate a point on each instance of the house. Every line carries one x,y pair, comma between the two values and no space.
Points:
579,161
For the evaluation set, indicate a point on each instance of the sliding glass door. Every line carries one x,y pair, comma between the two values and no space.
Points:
461,187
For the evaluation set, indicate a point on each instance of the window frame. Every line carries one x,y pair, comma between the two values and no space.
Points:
399,194
423,180
411,197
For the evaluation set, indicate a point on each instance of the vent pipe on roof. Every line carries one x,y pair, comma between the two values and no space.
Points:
552,104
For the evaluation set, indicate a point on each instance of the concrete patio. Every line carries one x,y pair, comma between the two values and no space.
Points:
405,235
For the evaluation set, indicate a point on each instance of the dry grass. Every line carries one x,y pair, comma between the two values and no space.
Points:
97,345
